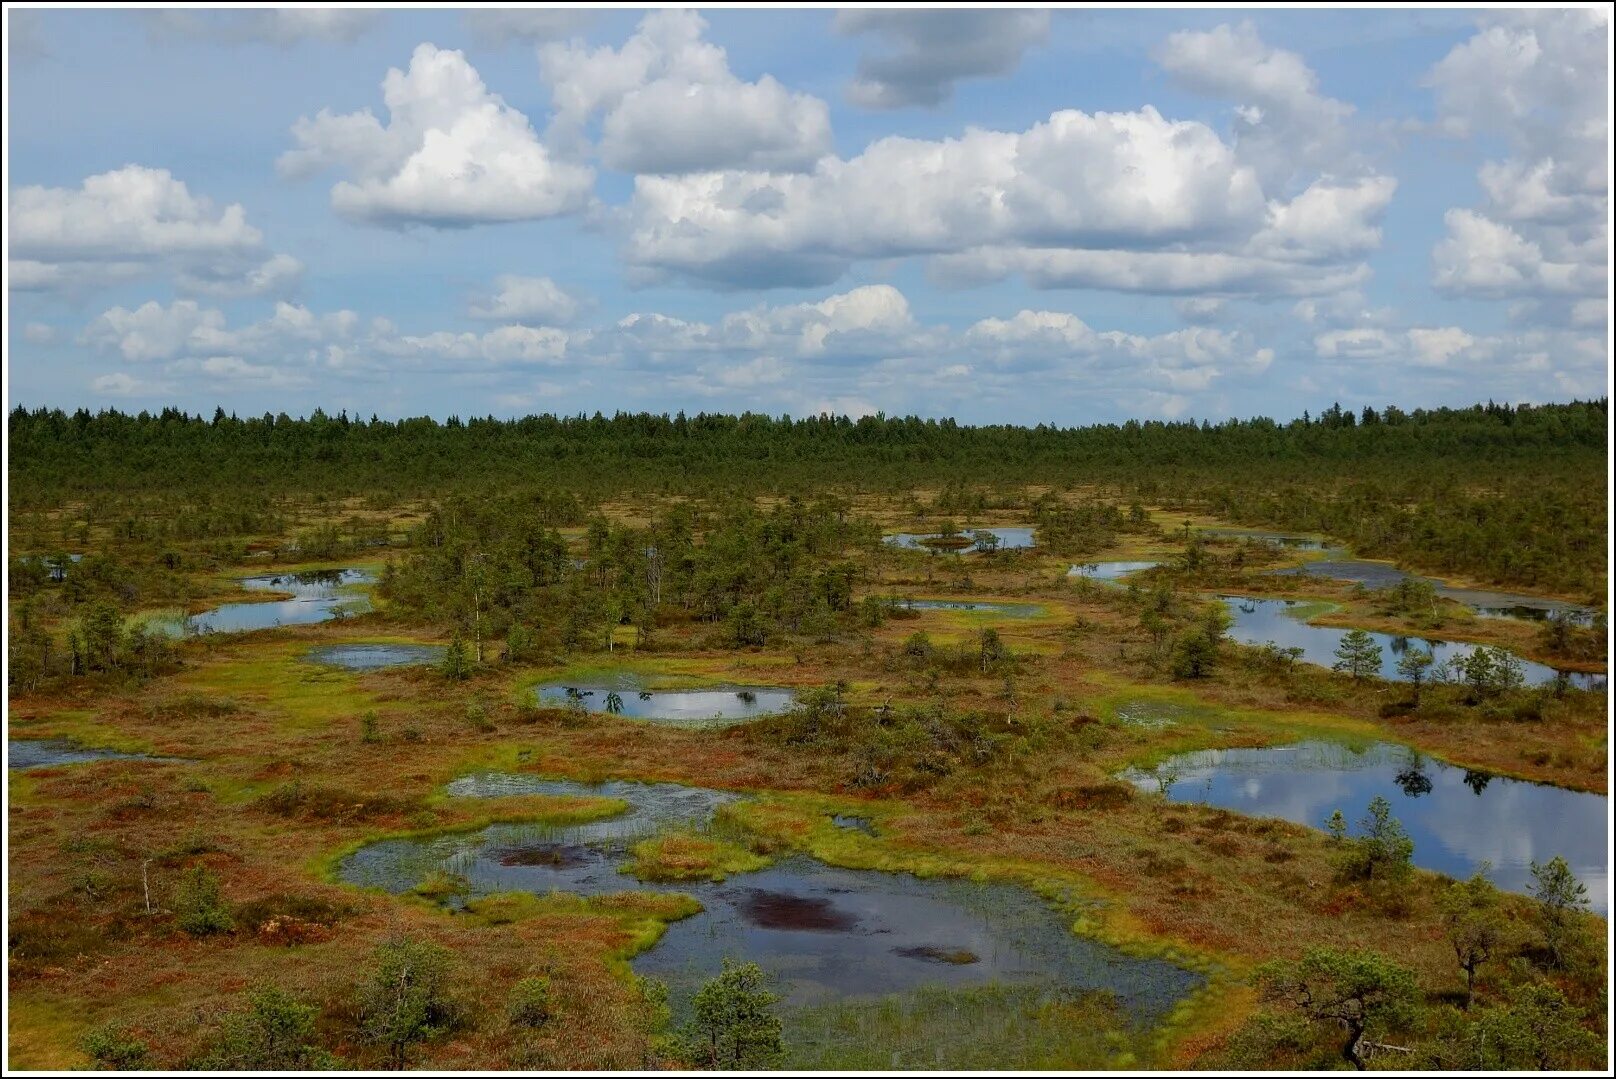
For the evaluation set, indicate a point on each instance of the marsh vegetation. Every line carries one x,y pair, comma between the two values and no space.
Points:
733,741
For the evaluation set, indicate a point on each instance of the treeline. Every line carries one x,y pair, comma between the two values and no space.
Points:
55,454
1507,494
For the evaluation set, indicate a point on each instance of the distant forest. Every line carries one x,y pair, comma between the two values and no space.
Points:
1511,494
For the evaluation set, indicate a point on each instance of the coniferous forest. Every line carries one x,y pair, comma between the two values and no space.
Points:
1508,495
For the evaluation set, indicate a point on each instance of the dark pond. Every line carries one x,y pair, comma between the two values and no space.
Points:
49,752
1487,603
375,657
317,596
1457,818
1108,571
695,707
823,933
1003,610
1010,539
1258,621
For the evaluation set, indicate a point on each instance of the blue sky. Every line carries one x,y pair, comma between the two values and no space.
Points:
1069,216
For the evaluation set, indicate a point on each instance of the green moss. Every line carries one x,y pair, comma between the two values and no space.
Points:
688,856
78,725
1192,723
523,809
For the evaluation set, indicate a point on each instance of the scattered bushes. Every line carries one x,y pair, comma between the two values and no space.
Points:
114,1048
406,999
529,1004
274,1032
198,908
335,804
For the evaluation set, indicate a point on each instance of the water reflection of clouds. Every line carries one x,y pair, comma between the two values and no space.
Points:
1108,571
1011,538
1508,823
1261,621
317,597
730,703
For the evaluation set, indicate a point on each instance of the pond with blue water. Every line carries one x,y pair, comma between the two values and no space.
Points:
1485,602
1109,572
709,706
1457,818
1282,622
314,596
1010,539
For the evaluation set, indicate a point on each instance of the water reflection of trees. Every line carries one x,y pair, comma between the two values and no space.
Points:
1411,778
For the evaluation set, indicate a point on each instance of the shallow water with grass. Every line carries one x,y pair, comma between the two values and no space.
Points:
376,657
973,606
51,752
707,707
1291,540
1457,818
1283,622
317,596
846,949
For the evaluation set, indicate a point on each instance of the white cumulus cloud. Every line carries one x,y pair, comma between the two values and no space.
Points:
1534,78
535,300
452,153
1104,180
669,103
137,221
1282,121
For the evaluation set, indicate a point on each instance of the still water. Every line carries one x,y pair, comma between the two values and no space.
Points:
1283,539
1002,610
1010,539
1108,571
1457,818
822,932
1259,621
50,752
375,657
317,596
692,707
1485,602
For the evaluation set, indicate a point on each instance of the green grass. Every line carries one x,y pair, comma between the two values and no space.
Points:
688,856
1191,723
295,694
78,725
975,1028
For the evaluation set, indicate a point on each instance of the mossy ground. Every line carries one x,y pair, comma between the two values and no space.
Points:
1201,886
